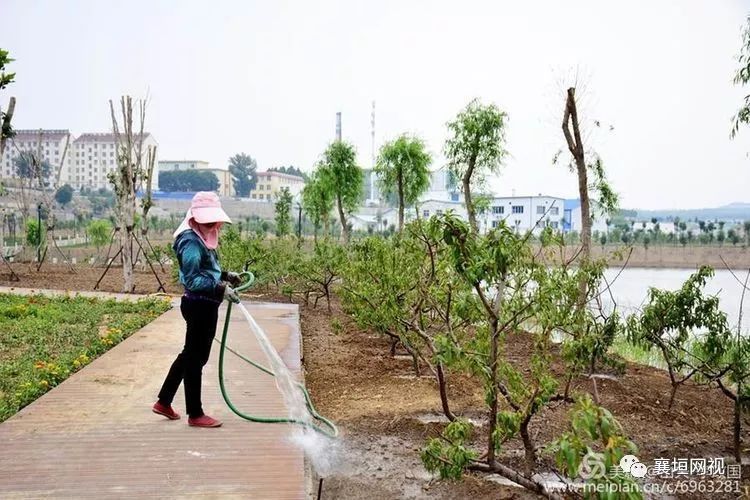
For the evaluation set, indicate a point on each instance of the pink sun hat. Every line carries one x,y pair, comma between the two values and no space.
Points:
206,208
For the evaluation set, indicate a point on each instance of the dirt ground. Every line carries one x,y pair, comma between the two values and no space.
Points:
382,410
386,414
60,277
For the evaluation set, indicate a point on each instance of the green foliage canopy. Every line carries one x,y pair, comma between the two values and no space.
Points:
283,210
243,169
64,194
476,147
403,171
188,181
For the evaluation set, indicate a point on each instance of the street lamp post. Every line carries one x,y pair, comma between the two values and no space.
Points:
39,232
299,225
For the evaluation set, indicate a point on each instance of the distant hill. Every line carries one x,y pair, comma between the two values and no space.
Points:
732,211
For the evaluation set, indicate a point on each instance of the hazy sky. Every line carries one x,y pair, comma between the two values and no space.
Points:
267,78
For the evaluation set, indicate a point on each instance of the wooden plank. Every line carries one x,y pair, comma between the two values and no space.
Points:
95,435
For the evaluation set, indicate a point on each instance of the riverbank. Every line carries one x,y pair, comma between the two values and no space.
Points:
689,257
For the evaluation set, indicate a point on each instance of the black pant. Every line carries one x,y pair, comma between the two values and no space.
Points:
201,317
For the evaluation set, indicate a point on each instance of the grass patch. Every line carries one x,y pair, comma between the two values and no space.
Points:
637,354
45,339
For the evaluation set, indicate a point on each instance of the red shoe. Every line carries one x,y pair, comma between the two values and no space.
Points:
204,421
165,410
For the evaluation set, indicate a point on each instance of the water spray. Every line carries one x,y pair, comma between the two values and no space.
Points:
295,394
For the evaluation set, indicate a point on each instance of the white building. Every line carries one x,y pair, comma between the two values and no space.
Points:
573,220
226,186
94,157
382,218
373,218
430,207
523,213
51,144
443,186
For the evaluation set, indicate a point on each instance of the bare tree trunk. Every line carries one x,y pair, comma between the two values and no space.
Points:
400,181
737,424
342,217
528,483
467,194
128,285
575,146
126,181
493,395
494,348
48,192
528,443
444,393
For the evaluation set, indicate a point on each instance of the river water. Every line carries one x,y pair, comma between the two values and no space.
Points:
630,289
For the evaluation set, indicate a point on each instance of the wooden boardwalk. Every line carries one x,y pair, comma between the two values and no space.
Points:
94,436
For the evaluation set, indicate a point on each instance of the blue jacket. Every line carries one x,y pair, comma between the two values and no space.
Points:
200,273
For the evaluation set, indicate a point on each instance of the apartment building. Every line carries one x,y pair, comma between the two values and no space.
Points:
51,144
269,184
226,186
89,158
94,156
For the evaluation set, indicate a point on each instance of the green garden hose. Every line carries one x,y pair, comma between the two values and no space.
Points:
327,428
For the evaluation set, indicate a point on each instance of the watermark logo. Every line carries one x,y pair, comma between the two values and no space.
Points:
592,466
665,477
627,462
631,465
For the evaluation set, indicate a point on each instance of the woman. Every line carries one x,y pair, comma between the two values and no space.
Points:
195,246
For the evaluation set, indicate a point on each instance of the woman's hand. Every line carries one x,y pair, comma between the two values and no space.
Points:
231,295
232,278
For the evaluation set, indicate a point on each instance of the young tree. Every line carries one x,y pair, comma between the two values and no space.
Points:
576,148
134,170
593,428
29,167
317,202
33,233
283,212
6,131
343,178
732,236
607,198
499,268
98,232
243,169
38,176
674,322
475,148
64,195
403,168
